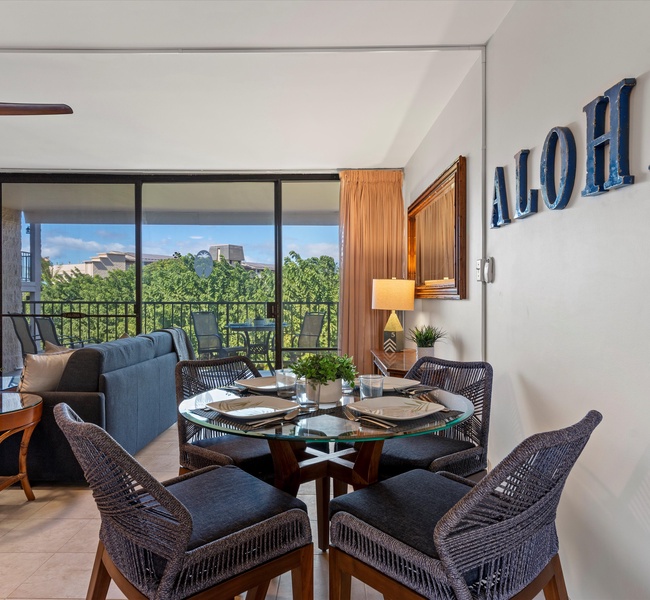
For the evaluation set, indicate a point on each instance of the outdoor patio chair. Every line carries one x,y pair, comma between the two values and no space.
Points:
214,533
462,449
439,536
309,336
201,447
47,333
209,340
24,334
310,330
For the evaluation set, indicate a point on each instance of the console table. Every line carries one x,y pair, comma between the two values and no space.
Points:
393,364
19,412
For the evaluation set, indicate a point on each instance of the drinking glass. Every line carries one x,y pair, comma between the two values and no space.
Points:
371,386
285,383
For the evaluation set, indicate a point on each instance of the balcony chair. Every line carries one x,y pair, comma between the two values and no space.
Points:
440,536
309,336
214,533
47,333
462,449
201,447
209,340
24,334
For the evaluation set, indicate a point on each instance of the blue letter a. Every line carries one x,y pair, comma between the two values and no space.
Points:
500,214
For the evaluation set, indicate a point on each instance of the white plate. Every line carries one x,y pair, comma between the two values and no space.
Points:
392,384
253,407
258,384
395,408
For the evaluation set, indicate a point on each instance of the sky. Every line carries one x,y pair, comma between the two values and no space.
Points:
71,244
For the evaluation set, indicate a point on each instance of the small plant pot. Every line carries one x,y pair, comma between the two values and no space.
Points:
420,351
328,393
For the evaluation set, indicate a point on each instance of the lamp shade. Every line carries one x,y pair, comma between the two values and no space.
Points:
393,294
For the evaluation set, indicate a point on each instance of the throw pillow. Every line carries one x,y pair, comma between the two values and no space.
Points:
42,372
124,336
51,348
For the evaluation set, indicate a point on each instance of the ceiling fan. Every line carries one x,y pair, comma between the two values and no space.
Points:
9,108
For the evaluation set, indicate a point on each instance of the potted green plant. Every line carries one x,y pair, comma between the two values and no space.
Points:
425,338
326,373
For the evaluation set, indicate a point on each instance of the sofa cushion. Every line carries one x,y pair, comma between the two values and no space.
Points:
122,353
42,372
162,342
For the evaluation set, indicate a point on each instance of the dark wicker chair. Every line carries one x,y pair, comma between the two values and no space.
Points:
462,449
213,533
208,339
440,536
201,447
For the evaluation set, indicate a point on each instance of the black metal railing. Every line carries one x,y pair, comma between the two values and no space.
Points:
25,266
104,321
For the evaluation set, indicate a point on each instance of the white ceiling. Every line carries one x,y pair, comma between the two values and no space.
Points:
173,85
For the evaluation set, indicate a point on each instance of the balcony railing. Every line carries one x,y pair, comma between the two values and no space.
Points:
25,266
104,321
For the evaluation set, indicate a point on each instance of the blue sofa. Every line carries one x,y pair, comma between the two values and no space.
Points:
125,386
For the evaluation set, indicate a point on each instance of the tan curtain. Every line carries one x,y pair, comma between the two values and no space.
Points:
372,247
434,235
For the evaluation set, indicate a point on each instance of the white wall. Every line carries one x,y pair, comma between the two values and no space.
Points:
457,133
568,316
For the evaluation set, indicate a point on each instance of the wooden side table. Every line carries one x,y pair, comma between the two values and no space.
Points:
19,412
393,364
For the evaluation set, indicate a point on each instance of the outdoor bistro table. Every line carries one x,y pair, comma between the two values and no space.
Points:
356,466
19,412
257,337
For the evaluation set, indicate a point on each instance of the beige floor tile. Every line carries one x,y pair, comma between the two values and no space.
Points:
15,568
62,576
40,535
69,503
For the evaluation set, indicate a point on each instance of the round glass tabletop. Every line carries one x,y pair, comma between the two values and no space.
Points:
15,401
226,412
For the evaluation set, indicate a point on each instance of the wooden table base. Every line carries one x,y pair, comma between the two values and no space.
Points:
358,467
12,423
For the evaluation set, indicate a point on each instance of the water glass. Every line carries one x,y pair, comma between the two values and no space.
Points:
371,386
285,383
308,393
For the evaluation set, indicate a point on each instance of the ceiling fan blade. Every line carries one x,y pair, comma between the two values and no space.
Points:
8,108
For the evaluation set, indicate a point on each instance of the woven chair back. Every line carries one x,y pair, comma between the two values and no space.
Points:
503,533
144,528
208,338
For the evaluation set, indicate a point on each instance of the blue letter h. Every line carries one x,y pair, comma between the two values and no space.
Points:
618,138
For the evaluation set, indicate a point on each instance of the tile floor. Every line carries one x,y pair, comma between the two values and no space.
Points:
47,546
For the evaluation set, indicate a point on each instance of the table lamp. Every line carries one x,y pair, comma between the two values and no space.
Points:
393,294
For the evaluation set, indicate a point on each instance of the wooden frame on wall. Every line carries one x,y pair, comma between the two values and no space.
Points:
437,258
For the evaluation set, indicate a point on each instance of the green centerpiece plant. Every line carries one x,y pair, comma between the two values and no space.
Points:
323,368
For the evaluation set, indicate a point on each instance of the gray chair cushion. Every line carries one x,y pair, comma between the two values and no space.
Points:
400,455
406,507
227,500
250,455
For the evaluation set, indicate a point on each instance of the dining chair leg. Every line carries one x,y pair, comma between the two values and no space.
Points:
340,488
302,576
322,511
555,589
100,579
259,592
340,581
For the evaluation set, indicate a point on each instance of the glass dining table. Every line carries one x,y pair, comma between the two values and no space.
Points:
293,438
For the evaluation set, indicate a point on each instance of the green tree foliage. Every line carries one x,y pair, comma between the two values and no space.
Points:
171,290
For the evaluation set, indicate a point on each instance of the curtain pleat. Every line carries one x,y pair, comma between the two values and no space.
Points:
372,220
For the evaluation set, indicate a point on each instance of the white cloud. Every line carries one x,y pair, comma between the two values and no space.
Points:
58,245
